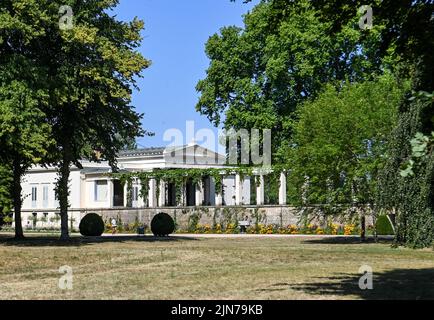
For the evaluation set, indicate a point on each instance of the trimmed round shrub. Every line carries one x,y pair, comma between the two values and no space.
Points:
92,225
162,225
383,226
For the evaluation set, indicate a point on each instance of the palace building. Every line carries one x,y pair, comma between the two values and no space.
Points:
92,188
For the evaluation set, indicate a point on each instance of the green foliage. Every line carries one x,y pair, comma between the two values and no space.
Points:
193,222
271,187
259,74
409,195
179,177
406,183
92,225
339,141
5,186
383,226
406,32
82,78
162,225
404,42
421,145
130,143
24,133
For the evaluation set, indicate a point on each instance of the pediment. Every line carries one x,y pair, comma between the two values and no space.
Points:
192,154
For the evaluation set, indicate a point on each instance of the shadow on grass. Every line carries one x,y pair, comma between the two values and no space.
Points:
349,240
398,284
75,241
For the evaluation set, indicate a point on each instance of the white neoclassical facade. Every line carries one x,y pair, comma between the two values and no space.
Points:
92,187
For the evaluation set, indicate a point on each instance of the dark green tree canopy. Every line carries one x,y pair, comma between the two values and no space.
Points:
86,73
340,139
283,56
404,41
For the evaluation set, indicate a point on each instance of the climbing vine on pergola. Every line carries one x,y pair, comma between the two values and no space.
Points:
180,177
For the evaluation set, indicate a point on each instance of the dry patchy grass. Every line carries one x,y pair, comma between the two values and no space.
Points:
240,268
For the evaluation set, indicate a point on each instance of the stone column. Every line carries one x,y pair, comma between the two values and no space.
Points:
246,190
83,194
260,195
282,189
162,195
199,193
218,194
140,200
152,197
218,199
238,190
110,192
183,195
125,194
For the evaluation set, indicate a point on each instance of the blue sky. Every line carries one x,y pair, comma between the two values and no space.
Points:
174,39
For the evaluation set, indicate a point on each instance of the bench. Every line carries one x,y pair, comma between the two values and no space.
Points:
140,231
243,225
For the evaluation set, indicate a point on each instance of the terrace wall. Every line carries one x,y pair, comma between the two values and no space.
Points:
267,215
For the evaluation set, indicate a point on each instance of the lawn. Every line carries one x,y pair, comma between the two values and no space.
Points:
209,268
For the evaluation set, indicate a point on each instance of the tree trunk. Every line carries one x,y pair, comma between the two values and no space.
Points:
63,192
374,217
16,194
362,226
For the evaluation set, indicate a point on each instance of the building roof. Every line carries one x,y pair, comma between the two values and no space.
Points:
95,170
170,153
142,152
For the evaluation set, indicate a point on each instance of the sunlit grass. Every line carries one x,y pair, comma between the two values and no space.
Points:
239,268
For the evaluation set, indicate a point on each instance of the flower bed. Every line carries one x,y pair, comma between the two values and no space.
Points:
231,228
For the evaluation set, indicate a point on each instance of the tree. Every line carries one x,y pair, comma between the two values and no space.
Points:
24,131
408,30
130,144
97,72
5,198
24,138
91,70
339,142
283,56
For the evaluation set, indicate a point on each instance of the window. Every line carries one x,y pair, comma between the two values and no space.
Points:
34,193
45,196
45,193
135,193
101,190
34,196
